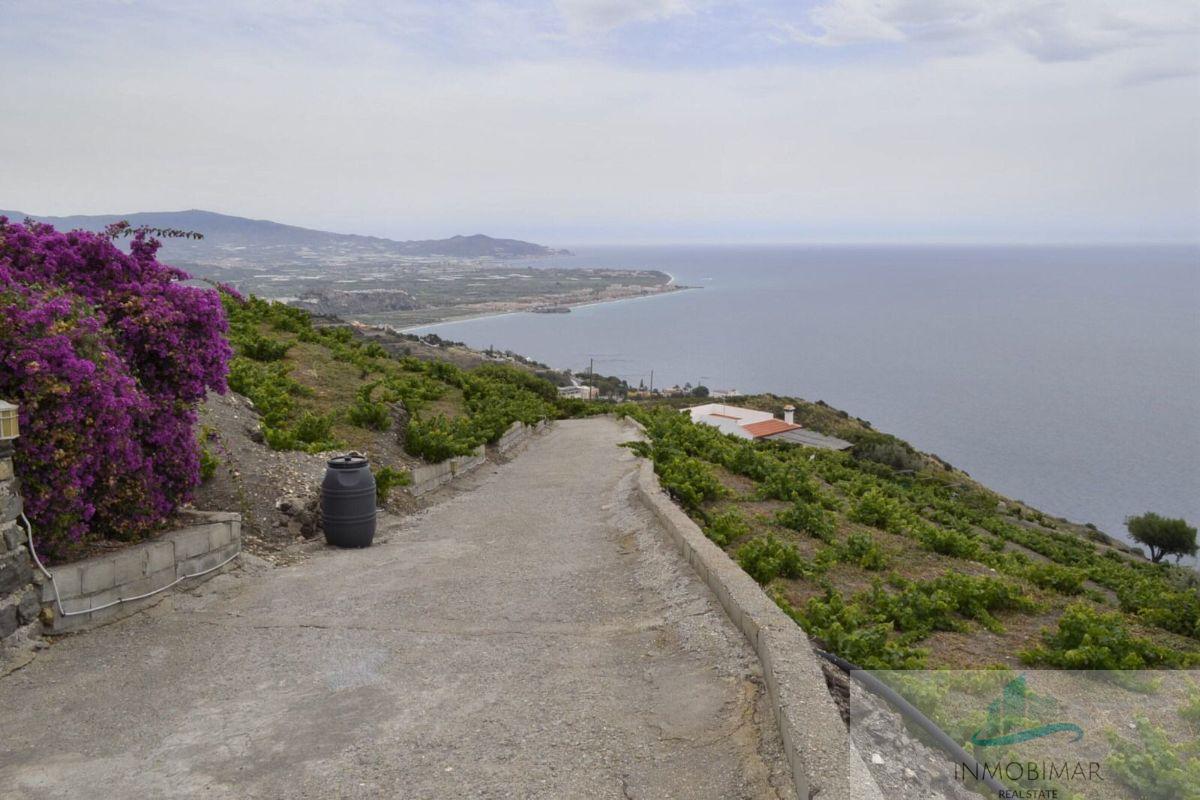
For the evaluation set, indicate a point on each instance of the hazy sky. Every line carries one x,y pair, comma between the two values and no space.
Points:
615,120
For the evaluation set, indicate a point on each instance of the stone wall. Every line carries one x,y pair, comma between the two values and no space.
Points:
211,538
19,603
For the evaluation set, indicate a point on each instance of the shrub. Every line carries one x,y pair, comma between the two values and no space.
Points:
1154,767
688,480
268,386
107,353
1190,710
252,344
889,452
946,541
921,607
808,518
789,482
208,461
767,558
366,413
439,438
1064,580
862,549
849,631
1087,639
386,479
878,510
726,527
312,429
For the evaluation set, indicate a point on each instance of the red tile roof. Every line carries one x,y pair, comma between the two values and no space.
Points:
768,427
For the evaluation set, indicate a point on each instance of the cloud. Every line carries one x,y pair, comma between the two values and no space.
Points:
416,120
606,15
1068,30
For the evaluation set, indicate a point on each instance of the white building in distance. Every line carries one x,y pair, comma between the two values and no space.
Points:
746,423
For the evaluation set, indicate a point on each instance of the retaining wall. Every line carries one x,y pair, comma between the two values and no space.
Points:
213,538
433,476
823,762
19,604
518,433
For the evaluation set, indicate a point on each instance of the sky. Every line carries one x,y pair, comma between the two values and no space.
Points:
623,121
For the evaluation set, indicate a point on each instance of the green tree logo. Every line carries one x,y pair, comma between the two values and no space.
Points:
1009,716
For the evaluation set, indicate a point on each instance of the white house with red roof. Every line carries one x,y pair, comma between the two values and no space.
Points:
747,423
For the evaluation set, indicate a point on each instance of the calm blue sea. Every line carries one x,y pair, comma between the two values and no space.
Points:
1068,377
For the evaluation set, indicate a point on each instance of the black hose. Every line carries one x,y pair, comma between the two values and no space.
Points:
908,710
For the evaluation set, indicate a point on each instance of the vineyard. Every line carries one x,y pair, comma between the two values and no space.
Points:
912,568
326,388
894,560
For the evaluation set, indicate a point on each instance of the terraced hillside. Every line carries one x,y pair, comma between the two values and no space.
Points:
893,559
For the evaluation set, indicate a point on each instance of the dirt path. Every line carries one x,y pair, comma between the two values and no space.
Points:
531,637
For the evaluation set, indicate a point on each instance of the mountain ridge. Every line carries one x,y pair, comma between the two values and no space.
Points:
225,231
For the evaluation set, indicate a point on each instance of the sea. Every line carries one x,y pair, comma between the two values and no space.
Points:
1067,377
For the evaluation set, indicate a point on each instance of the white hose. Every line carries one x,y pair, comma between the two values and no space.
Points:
58,601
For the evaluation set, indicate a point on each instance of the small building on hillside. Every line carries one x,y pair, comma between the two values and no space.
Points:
746,423
721,394
582,391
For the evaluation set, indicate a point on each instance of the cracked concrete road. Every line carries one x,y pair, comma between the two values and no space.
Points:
532,636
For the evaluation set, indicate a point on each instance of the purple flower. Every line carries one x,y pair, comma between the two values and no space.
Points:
108,354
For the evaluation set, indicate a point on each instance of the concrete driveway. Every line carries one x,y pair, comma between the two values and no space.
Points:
531,636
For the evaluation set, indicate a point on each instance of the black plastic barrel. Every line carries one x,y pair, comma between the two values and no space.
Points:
348,502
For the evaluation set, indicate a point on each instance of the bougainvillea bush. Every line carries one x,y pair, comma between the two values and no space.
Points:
108,354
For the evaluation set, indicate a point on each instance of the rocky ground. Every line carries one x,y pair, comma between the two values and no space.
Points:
275,492
901,764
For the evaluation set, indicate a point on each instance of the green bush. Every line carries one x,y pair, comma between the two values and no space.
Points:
946,541
1087,639
848,630
689,480
767,558
1190,710
209,463
1064,580
789,482
890,452
268,386
944,603
808,518
387,479
878,510
1152,766
254,345
365,413
439,438
725,527
862,550
313,428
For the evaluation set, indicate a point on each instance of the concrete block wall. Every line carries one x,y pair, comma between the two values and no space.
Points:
432,476
19,603
823,761
210,538
428,477
517,434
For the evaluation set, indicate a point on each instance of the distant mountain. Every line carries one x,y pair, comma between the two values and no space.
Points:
227,236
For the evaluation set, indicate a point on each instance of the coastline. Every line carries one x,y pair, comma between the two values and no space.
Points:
675,289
